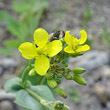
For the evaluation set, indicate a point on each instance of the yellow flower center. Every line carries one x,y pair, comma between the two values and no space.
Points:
42,51
75,44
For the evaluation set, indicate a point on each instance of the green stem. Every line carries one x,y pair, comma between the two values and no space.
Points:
30,63
41,80
34,94
25,73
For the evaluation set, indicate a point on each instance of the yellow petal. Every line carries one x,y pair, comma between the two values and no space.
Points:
83,38
68,38
54,47
83,48
69,49
42,65
28,50
40,37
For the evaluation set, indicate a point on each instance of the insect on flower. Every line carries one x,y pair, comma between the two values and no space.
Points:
56,35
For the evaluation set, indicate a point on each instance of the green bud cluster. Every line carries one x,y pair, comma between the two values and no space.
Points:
76,77
58,70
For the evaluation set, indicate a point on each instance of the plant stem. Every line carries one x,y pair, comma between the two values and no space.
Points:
30,63
42,101
34,94
25,73
41,80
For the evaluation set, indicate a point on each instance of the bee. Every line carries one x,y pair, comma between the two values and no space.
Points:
56,35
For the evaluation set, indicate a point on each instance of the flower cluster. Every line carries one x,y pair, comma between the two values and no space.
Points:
42,49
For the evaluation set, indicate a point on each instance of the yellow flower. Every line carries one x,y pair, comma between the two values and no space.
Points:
41,49
74,44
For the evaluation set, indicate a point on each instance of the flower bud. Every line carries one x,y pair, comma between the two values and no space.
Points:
61,92
57,66
58,102
66,70
62,69
78,70
66,65
63,62
52,83
69,76
61,106
58,107
49,76
65,107
58,81
59,75
57,59
32,72
79,79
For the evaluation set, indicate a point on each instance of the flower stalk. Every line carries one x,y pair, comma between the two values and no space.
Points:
25,73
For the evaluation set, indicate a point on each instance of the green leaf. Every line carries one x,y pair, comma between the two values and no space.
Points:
34,22
3,14
44,92
26,109
24,99
32,5
12,24
13,85
27,101
24,31
6,51
39,5
20,6
12,43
